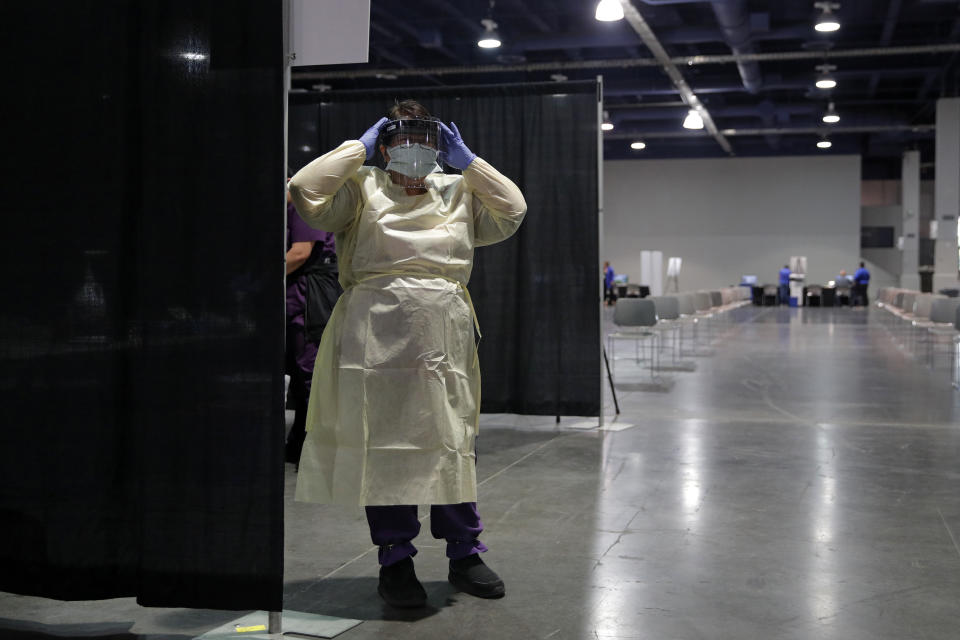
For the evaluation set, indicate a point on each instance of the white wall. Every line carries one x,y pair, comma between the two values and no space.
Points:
734,216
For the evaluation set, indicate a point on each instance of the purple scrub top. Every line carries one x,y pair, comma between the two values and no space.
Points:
324,250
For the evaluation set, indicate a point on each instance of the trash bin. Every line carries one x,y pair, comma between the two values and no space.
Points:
828,297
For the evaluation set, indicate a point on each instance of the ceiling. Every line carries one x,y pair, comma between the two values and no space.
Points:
755,76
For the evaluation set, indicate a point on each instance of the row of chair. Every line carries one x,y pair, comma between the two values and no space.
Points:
660,320
924,324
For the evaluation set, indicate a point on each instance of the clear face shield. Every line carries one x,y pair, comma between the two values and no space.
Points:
412,146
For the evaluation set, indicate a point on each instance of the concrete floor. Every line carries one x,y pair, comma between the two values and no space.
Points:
802,483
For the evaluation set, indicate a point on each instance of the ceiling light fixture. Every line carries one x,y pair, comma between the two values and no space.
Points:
490,38
693,120
609,11
826,80
824,144
826,22
638,146
831,116
606,125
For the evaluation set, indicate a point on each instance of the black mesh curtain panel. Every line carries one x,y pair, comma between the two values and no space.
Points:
141,346
536,294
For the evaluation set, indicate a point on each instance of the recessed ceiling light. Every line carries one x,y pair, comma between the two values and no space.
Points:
638,145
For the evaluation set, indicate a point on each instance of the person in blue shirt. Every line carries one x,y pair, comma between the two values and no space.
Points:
609,296
861,278
785,285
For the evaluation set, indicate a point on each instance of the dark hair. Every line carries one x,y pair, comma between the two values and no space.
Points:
862,265
786,266
407,109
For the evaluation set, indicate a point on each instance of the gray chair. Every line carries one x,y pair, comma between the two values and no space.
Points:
943,310
918,321
667,307
702,302
668,314
906,302
636,318
716,299
956,349
943,315
685,304
635,312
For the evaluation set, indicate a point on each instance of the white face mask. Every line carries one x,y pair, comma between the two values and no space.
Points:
414,161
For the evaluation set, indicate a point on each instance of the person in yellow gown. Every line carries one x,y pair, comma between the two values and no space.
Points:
395,399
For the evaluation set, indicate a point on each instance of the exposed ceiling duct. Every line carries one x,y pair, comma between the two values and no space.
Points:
631,135
626,63
733,18
650,40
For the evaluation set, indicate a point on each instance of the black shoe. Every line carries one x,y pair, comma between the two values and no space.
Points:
399,586
471,576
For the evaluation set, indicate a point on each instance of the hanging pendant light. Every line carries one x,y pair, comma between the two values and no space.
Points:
826,22
831,116
491,37
609,11
826,80
693,120
606,125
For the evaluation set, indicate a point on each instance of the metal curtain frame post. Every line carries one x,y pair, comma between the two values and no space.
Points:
600,247
275,618
299,623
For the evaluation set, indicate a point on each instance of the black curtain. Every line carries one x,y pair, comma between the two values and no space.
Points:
537,294
141,334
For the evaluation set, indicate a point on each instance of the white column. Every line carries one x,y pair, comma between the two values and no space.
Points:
947,193
646,270
910,255
656,286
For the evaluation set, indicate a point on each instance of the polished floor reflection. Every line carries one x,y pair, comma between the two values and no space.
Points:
801,483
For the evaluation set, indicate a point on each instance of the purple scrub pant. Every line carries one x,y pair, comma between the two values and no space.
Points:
301,355
394,527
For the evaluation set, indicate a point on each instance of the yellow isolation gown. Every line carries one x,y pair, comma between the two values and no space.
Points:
395,399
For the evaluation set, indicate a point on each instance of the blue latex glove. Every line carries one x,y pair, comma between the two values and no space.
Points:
455,153
369,139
